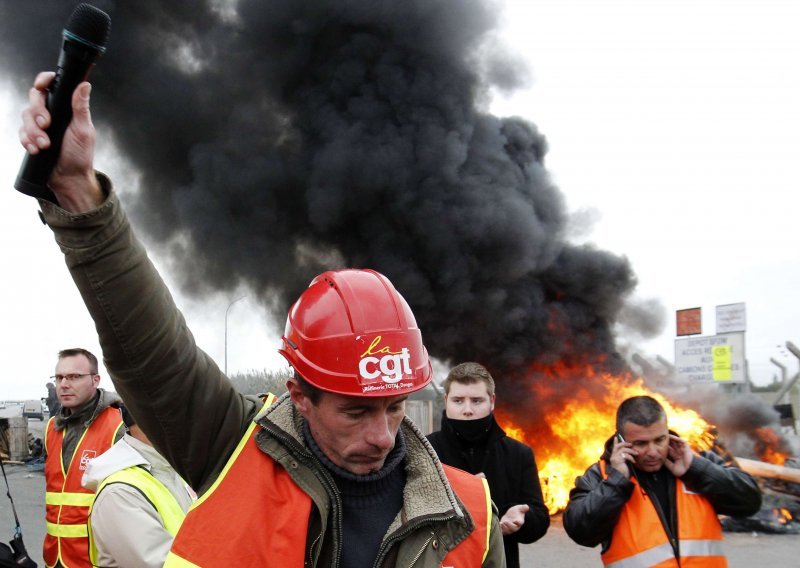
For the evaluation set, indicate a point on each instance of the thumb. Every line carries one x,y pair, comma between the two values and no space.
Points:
80,102
524,508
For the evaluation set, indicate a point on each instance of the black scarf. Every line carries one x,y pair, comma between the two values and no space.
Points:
468,441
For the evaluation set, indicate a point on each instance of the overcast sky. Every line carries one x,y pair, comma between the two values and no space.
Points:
674,131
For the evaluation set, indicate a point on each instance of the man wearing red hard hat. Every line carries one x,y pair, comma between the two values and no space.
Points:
330,474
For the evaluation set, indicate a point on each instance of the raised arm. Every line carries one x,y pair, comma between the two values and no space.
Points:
183,402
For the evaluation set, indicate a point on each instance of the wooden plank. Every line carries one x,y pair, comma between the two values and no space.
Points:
769,470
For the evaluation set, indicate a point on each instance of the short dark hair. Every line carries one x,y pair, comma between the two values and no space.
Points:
641,410
467,374
75,351
312,393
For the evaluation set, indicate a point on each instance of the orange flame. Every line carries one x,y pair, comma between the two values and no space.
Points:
578,427
768,446
784,515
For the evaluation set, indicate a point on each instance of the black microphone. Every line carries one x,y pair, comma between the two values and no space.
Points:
85,38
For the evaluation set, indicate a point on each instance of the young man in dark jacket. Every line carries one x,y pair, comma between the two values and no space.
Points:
651,500
471,439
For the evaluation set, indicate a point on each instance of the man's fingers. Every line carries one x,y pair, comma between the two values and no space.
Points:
43,79
31,135
80,100
37,96
35,117
82,118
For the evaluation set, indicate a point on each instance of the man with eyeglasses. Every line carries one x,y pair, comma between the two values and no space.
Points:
87,425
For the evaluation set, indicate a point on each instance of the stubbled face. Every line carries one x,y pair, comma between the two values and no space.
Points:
72,393
650,442
468,402
355,433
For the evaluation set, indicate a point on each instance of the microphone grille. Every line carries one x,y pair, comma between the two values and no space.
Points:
89,24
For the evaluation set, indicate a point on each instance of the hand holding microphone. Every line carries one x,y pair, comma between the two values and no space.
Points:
47,121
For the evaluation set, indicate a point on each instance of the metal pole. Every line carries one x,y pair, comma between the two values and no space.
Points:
226,331
787,386
782,367
666,364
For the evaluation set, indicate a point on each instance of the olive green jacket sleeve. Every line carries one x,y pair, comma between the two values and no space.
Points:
496,558
181,399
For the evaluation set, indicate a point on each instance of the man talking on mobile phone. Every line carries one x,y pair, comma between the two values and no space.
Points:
651,501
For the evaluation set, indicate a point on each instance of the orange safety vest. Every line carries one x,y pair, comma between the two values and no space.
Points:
66,500
639,539
255,515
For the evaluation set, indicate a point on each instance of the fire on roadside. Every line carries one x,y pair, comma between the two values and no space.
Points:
577,428
768,446
783,515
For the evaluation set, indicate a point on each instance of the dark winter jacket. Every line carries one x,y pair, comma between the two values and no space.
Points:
595,504
510,469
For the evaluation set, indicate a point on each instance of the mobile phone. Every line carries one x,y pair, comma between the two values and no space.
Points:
620,438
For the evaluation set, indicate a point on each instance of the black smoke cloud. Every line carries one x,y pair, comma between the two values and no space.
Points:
277,139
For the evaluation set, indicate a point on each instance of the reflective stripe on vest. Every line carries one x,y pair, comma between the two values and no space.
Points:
270,526
154,491
474,493
640,541
66,500
72,499
67,531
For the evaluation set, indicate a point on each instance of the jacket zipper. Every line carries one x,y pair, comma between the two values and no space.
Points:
421,550
330,487
405,531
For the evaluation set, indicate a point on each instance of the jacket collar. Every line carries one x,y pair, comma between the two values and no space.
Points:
87,413
494,431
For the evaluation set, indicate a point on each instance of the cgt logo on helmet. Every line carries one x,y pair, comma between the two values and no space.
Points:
380,362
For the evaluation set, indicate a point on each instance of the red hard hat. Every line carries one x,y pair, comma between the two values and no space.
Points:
352,333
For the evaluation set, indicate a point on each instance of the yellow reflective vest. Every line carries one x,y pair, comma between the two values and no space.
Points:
157,494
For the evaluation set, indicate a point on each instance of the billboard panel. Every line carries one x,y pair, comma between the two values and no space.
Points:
688,322
731,317
711,359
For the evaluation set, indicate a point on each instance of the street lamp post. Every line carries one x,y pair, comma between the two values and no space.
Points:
226,331
787,385
782,367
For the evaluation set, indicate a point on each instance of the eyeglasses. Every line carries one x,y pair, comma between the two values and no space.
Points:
72,377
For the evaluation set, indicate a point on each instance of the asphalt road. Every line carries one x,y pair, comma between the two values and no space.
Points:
744,550
554,550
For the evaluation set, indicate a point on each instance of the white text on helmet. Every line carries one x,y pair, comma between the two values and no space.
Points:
391,368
